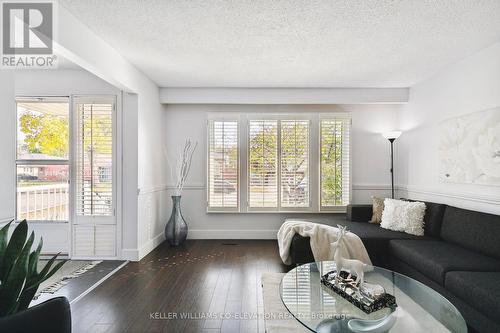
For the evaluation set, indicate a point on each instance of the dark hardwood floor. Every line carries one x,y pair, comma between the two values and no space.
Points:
216,283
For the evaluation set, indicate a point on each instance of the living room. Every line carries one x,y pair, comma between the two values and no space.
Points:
208,166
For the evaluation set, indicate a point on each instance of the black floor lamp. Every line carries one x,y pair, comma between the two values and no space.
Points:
392,136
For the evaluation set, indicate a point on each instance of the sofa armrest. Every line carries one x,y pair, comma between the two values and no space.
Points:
359,213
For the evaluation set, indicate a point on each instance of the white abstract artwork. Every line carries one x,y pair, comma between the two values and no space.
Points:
469,148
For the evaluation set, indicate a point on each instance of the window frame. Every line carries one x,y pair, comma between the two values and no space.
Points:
40,162
314,160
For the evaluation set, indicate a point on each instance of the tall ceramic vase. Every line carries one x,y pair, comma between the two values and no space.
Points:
176,229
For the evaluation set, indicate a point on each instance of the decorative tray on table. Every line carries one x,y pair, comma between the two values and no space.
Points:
368,297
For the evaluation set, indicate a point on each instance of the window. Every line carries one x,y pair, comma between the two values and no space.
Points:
223,165
294,157
335,162
289,163
263,163
42,159
94,157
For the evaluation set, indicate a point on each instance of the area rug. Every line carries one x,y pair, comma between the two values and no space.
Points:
70,270
276,317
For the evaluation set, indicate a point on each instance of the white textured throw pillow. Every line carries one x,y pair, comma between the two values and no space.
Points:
406,216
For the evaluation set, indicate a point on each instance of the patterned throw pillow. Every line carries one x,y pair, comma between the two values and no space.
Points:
378,208
404,216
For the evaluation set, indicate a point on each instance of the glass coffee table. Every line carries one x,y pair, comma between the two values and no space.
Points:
420,308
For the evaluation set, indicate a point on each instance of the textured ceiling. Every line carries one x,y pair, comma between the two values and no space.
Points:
265,43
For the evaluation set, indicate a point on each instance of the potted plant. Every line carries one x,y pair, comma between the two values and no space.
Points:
20,279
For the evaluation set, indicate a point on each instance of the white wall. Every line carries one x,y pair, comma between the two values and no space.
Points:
7,146
472,84
370,164
152,171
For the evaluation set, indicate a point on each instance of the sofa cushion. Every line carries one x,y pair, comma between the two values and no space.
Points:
433,218
377,209
405,216
359,213
475,231
479,289
434,258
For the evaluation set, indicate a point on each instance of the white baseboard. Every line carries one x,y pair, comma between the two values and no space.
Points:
138,254
232,234
130,254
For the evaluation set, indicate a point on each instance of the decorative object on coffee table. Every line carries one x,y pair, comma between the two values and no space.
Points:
368,297
392,136
347,280
350,265
176,229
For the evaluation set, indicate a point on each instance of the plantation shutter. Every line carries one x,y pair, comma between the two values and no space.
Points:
335,162
223,165
263,164
94,160
294,152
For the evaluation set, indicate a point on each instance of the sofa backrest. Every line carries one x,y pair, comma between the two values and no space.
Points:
475,231
433,218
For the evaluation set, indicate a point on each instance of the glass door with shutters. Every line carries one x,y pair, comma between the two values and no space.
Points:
94,223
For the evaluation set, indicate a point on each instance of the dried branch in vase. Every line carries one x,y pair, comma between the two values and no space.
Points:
184,164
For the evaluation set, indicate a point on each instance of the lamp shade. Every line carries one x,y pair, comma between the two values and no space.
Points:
391,135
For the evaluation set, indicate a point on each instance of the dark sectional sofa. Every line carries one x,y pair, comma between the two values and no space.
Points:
459,256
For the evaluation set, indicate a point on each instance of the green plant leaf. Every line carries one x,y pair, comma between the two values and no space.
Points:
3,238
26,296
47,266
13,249
15,280
33,260
55,269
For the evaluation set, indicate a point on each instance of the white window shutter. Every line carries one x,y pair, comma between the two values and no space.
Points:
294,153
263,163
105,239
94,160
223,165
335,162
83,240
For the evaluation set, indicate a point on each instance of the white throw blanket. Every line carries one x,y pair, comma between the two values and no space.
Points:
322,236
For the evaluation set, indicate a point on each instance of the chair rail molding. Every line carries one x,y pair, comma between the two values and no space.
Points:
466,196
